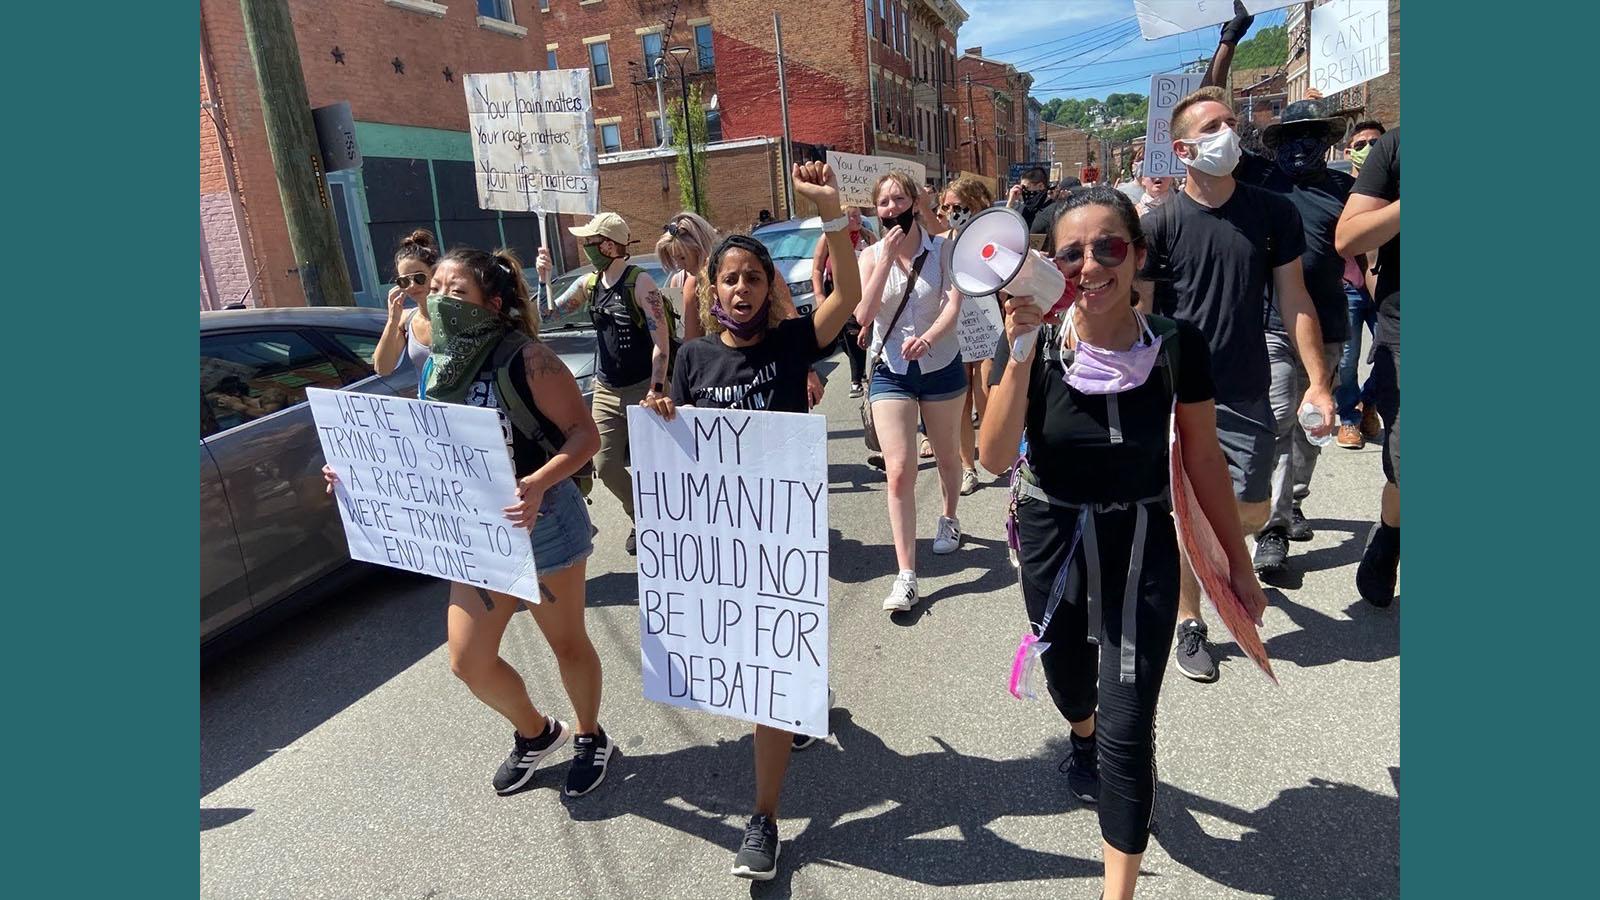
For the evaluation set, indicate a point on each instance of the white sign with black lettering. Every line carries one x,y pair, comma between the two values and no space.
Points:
731,511
1165,92
978,329
423,487
1349,43
1161,18
533,141
858,173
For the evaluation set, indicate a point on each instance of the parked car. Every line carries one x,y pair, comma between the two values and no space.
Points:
268,528
792,244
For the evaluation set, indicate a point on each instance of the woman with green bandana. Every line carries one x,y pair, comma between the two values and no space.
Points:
486,353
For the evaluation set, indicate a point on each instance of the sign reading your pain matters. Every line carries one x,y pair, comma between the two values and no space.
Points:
731,509
533,141
423,487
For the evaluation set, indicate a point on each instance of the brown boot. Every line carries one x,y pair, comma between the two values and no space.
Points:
1350,437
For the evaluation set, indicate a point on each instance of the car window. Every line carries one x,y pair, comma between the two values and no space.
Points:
364,346
248,375
797,244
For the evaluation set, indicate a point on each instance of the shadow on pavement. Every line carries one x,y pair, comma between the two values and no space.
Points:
613,589
1323,841
274,688
882,823
1365,634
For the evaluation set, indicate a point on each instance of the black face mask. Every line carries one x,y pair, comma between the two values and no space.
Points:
1033,198
905,219
1303,157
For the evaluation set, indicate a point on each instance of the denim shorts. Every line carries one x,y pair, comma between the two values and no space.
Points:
561,535
948,382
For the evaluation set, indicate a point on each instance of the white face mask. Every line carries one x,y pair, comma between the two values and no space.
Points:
1214,154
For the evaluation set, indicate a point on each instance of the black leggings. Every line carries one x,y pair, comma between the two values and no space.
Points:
857,353
1126,720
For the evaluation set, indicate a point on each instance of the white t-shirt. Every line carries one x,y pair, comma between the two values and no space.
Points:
928,299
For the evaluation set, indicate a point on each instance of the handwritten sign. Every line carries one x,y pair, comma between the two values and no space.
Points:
533,141
978,329
1161,18
857,174
421,488
732,515
1165,92
1349,43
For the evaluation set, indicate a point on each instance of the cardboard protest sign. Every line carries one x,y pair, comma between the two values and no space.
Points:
731,509
533,141
857,174
422,487
979,327
1165,92
1161,18
1349,43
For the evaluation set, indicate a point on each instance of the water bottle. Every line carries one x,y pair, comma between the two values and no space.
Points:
1311,417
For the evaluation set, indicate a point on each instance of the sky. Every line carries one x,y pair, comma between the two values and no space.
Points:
1083,48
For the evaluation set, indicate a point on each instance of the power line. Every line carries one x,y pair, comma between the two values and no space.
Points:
1109,25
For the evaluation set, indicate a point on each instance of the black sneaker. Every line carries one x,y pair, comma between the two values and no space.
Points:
1083,770
591,753
1272,552
875,460
526,754
757,859
1193,653
1299,528
632,544
1380,565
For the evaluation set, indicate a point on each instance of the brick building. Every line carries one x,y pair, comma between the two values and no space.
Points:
1376,99
1068,148
993,131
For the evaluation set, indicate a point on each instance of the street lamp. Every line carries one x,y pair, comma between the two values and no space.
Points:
678,54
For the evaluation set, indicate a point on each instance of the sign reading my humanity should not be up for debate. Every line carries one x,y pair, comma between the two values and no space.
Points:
532,139
423,487
731,509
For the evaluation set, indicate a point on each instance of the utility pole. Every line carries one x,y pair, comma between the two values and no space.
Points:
783,107
296,159
659,76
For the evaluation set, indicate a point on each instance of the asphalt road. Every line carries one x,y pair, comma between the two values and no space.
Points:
340,758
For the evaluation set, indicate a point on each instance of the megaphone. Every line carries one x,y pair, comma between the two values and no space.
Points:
991,253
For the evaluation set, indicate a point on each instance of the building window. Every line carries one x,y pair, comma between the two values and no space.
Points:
600,63
655,129
496,9
713,125
544,5
652,51
550,59
702,43
611,137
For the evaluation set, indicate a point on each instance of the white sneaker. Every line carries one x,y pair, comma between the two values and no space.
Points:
969,482
947,537
903,593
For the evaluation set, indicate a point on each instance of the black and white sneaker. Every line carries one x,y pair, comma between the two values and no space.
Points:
757,859
802,741
526,754
591,753
1082,767
1193,652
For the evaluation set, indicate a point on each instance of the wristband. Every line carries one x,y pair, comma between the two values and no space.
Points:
833,225
656,387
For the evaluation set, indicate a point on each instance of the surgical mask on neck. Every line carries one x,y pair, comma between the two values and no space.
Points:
1214,154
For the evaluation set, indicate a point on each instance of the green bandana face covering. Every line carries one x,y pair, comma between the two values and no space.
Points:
1358,158
463,337
597,259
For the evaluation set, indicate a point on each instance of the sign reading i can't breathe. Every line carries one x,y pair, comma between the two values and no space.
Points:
533,141
1349,43
732,516
422,487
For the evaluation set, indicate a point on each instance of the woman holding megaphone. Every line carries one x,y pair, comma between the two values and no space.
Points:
915,370
1091,507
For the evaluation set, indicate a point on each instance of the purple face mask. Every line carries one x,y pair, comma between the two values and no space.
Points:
744,331
1095,370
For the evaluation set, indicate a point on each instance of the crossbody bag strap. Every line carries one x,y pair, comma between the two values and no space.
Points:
911,284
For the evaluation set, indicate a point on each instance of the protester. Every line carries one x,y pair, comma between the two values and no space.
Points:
1358,412
1106,488
1029,196
963,199
1157,190
1299,145
1371,221
485,336
413,266
861,237
633,341
686,240
1211,251
762,218
764,359
1362,137
916,369
1040,229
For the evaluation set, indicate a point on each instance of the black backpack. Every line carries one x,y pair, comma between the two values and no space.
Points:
521,409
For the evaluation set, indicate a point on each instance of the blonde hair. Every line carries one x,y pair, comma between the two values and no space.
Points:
970,191
912,191
694,234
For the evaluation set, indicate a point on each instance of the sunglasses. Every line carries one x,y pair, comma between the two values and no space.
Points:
1108,251
404,281
1357,145
671,228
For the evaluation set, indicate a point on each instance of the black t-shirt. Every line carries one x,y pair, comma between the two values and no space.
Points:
1069,439
624,347
1380,178
527,456
1030,211
1213,267
768,376
1041,225
1319,199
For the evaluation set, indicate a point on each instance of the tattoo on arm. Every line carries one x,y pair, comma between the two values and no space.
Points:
540,360
572,299
548,595
652,311
488,602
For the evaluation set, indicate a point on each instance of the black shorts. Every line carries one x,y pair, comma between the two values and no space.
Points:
1385,385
